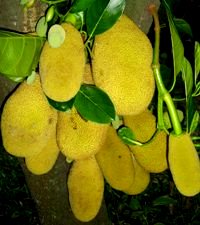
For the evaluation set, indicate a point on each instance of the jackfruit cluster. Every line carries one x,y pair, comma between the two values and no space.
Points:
119,166
121,66
113,162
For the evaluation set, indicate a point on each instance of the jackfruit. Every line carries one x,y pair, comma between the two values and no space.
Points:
28,120
115,161
153,155
87,76
141,179
62,68
86,187
184,164
121,65
44,161
78,138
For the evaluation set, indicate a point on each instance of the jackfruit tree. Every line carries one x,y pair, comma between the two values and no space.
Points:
90,89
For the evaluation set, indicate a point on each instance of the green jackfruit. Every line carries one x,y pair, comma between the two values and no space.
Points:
153,155
62,68
77,138
115,161
184,164
121,65
28,120
86,187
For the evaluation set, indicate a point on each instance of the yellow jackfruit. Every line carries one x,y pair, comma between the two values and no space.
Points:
78,138
87,76
28,120
115,161
153,155
62,68
86,187
121,65
141,179
44,161
184,164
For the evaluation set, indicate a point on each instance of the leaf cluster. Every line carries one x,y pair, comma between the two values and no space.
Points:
186,74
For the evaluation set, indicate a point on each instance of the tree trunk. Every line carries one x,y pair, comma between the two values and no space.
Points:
50,190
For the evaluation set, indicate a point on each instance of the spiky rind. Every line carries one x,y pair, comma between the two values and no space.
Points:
62,68
78,138
114,159
184,164
121,65
86,187
27,120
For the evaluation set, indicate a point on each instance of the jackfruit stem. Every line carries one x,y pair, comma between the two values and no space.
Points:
162,91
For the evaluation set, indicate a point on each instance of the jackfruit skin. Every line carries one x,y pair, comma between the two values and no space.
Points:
141,179
86,187
44,161
27,120
121,65
184,164
115,161
62,68
153,155
87,76
78,138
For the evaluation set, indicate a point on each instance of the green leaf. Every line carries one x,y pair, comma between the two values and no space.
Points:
80,5
27,3
76,19
167,120
41,27
23,2
190,112
135,204
197,61
164,200
197,90
195,122
183,26
61,106
19,54
102,15
177,45
187,76
94,104
127,136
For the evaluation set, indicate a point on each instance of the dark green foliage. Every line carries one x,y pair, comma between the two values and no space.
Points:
17,50
160,204
94,104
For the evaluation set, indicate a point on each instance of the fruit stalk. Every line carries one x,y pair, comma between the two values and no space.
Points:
162,91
